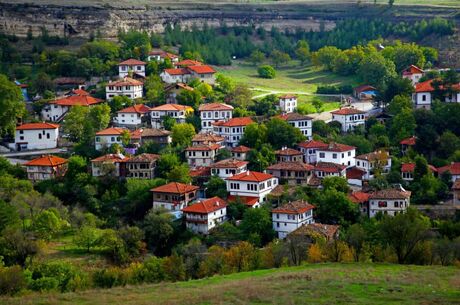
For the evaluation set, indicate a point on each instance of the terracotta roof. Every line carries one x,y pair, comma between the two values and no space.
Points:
337,147
453,168
203,147
312,144
240,149
206,206
111,131
246,200
215,107
48,160
163,54
139,108
425,86
188,62
329,167
288,152
154,132
229,163
292,166
295,207
408,141
126,81
110,158
288,96
251,176
280,190
131,62
363,88
172,107
412,70
410,167
314,181
79,92
347,111
456,185
177,71
76,100
359,197
244,121
355,173
373,156
328,231
390,194
207,137
202,171
33,126
143,158
175,188
294,116
169,87
202,69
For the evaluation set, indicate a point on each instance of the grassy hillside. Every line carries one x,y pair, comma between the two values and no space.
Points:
311,284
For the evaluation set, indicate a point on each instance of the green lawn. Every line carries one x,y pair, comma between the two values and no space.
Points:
311,284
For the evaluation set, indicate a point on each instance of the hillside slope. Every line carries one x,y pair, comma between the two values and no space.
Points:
311,284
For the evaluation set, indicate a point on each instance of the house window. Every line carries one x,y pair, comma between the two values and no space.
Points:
40,136
334,156
382,204
321,155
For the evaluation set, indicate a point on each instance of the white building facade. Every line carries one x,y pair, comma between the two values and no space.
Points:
214,112
337,153
287,103
204,215
251,184
349,118
290,216
33,136
129,87
133,66
232,130
389,202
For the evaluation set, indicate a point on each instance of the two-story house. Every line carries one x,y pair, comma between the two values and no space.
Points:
206,138
141,166
161,56
109,136
337,153
286,154
175,111
201,155
290,216
362,200
134,66
203,215
56,110
251,185
45,168
349,118
326,169
205,73
389,202
132,117
423,94
287,103
32,136
108,165
159,136
309,148
292,172
240,152
232,130
407,171
228,168
372,162
302,122
126,86
214,112
175,75
413,73
174,196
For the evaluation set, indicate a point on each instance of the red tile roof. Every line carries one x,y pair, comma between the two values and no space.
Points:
408,141
126,81
453,168
144,158
337,147
347,111
207,137
206,206
80,92
76,100
188,62
329,167
111,131
48,160
235,122
215,107
294,116
229,163
203,171
312,144
240,149
425,86
172,107
390,194
251,176
373,156
359,197
295,207
203,147
110,158
131,62
288,152
355,173
175,188
288,96
177,71
363,88
410,167
139,108
204,69
292,166
412,70
246,200
33,126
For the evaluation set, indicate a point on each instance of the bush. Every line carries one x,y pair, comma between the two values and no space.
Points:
266,71
44,284
333,89
107,278
12,280
57,275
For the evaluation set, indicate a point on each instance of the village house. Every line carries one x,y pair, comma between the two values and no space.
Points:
407,171
232,130
203,215
377,160
286,154
31,136
177,112
290,216
251,186
109,136
214,112
240,152
141,166
132,117
361,199
206,138
228,168
389,202
201,155
172,91
55,110
310,233
309,148
326,169
337,153
413,73
161,56
108,165
174,196
159,136
302,122
131,67
364,92
287,103
45,168
407,143
423,94
126,86
453,168
356,176
204,73
349,118
456,192
293,172
175,75
187,63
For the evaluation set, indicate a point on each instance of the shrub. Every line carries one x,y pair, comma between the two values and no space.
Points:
44,284
266,71
107,278
57,275
12,280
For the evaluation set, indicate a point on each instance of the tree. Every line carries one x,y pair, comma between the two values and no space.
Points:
336,183
279,58
240,96
190,98
398,103
302,51
402,125
168,122
376,69
75,122
216,186
166,163
119,102
254,135
356,237
449,143
87,237
158,228
280,133
334,207
318,104
265,106
180,173
260,159
182,134
266,71
256,57
11,106
18,246
47,224
43,83
326,56
257,225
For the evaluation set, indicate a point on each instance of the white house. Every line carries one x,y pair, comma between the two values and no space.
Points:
55,110
201,155
109,136
349,118
228,168
287,103
214,112
174,196
251,184
207,138
326,169
45,168
286,154
175,75
240,152
107,165
290,216
204,73
133,66
413,73
453,169
32,136
126,86
202,216
375,160
422,96
175,111
337,153
309,148
132,117
389,202
232,130
407,171
302,122
160,56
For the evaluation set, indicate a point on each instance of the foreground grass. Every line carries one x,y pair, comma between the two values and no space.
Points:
311,284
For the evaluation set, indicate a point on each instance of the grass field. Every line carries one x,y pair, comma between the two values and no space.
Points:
311,284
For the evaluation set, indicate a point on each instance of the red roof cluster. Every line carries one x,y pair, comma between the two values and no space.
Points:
206,206
359,197
412,70
229,163
355,173
244,121
453,168
77,100
111,131
204,69
203,147
246,200
177,71
328,167
425,86
126,81
188,62
33,126
48,160
175,188
291,166
288,152
114,158
251,177
172,107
